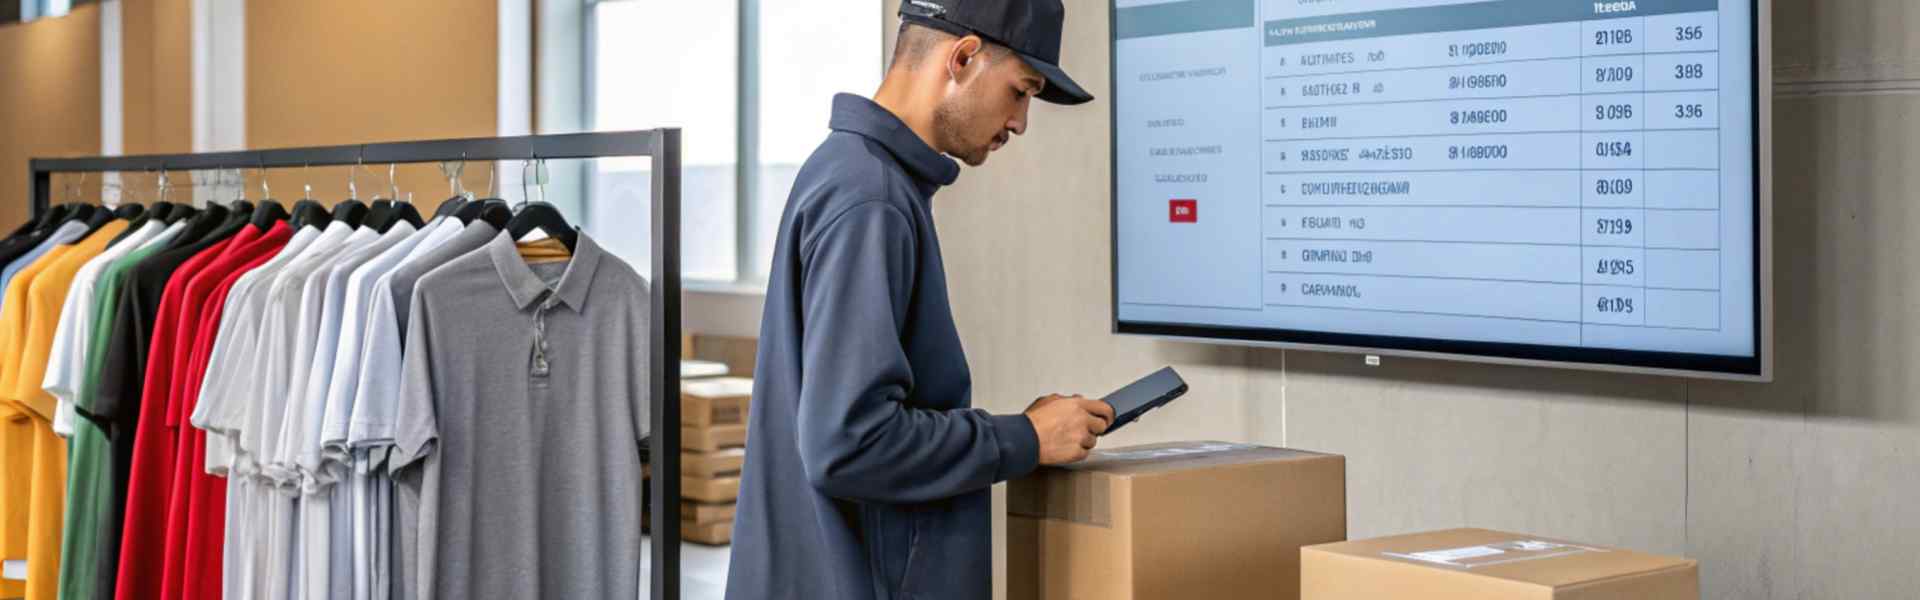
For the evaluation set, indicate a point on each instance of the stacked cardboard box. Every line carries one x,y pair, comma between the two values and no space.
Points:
737,353
1478,564
713,436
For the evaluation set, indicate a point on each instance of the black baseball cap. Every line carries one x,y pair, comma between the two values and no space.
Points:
1031,28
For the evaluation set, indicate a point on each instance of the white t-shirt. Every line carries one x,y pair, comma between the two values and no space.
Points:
66,363
231,368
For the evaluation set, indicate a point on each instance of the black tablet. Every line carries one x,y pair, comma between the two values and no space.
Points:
1150,392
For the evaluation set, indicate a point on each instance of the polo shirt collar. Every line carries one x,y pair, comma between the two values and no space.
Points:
526,287
857,115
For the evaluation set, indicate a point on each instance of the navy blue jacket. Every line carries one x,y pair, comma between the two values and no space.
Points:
867,471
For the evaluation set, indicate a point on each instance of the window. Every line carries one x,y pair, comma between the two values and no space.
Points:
751,83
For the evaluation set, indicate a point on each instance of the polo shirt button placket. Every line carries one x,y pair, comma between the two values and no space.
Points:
541,368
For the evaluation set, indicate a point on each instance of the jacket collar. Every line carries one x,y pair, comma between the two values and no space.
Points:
857,115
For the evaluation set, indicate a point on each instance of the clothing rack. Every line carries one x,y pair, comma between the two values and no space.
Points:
660,145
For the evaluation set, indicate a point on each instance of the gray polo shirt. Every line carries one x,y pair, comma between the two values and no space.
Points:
523,402
370,428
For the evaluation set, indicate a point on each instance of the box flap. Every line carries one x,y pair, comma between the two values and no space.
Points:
719,387
1510,556
1181,456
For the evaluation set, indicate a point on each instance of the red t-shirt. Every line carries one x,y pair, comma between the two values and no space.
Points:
188,573
150,479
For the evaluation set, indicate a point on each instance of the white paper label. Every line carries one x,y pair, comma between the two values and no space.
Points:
1450,556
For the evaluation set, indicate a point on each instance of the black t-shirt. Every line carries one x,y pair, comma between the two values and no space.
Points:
124,361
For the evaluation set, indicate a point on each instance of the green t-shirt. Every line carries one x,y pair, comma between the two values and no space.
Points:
106,304
88,459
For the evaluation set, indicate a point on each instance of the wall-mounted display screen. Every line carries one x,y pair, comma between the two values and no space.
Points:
1529,180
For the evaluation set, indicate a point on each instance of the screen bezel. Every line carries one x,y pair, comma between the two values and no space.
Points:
1758,367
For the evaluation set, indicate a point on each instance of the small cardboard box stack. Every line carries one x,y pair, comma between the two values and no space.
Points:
1477,564
1184,520
713,436
737,353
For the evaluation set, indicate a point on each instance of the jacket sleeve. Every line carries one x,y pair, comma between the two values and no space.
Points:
860,439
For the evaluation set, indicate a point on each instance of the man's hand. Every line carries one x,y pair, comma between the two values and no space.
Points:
1068,426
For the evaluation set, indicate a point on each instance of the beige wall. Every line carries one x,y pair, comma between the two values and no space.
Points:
49,100
359,71
1796,489
156,78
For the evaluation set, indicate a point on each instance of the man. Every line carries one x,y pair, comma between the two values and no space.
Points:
867,474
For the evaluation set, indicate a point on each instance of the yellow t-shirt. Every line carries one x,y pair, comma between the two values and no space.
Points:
21,465
47,509
45,298
27,321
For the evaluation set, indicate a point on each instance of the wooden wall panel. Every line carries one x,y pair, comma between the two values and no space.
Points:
354,71
50,99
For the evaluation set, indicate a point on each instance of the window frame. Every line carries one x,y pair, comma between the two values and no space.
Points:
747,275
750,275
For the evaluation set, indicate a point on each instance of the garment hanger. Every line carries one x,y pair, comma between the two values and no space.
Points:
57,214
471,210
174,212
352,211
539,215
306,212
402,210
492,210
100,216
126,198
162,210
242,208
268,211
125,210
453,203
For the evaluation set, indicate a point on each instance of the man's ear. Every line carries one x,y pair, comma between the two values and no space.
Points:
963,53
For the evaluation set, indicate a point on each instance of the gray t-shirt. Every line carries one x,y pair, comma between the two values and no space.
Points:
523,402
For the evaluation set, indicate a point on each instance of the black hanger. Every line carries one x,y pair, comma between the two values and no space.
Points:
56,215
471,210
160,211
351,212
406,211
307,213
241,208
98,219
129,211
496,214
450,206
182,212
82,212
379,215
268,212
544,217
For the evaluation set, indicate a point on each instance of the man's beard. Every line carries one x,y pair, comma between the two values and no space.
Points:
949,125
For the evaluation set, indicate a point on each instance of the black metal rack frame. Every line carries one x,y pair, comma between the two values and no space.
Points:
661,145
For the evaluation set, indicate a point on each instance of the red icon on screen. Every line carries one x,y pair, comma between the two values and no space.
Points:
1183,211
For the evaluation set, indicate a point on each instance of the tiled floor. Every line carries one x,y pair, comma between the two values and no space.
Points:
703,571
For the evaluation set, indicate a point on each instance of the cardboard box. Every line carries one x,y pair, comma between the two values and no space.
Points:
712,464
719,489
717,401
1184,520
706,513
701,369
737,352
1477,564
712,438
714,534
